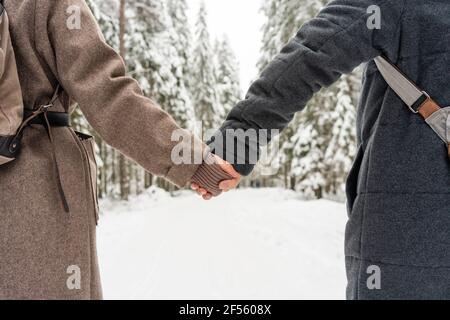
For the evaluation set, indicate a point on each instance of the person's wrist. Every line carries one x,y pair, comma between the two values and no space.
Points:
209,175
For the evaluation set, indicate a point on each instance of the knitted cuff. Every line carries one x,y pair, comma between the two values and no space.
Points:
209,175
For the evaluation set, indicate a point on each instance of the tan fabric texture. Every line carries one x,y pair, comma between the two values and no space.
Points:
41,245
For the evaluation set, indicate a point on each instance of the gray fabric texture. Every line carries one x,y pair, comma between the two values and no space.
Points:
399,188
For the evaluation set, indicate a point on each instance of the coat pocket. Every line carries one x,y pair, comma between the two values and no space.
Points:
88,145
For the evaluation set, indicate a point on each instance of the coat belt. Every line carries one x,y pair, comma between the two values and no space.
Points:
49,119
55,119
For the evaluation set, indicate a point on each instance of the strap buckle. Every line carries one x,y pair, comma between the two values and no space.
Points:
424,94
45,108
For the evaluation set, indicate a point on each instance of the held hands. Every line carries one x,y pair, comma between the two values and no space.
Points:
214,177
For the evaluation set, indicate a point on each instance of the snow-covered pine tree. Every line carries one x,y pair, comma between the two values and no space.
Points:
306,167
227,75
104,13
178,10
342,146
144,39
284,18
332,116
179,102
203,80
271,42
314,124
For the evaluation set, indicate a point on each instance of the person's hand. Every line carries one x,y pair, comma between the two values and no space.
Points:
225,185
230,184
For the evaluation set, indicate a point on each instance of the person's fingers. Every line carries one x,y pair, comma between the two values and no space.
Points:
207,196
201,191
227,185
194,186
228,168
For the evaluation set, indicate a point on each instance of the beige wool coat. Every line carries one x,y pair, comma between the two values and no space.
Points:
42,248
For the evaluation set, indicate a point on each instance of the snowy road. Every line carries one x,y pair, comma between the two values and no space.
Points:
249,244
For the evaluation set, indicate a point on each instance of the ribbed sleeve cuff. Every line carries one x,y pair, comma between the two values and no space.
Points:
181,174
209,175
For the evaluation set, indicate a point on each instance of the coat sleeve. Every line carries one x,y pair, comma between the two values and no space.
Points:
334,43
94,75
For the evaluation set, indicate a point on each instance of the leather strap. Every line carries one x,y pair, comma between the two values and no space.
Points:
417,100
55,119
42,116
48,127
428,108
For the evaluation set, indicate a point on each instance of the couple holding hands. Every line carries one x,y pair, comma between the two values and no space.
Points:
41,242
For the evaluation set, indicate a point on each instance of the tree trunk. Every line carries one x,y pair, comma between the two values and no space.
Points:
137,181
286,176
293,183
148,180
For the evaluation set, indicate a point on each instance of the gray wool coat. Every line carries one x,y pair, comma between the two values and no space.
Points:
46,253
399,187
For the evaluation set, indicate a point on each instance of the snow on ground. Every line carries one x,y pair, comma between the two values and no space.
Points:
248,244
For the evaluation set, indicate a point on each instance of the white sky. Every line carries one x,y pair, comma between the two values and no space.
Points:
241,21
